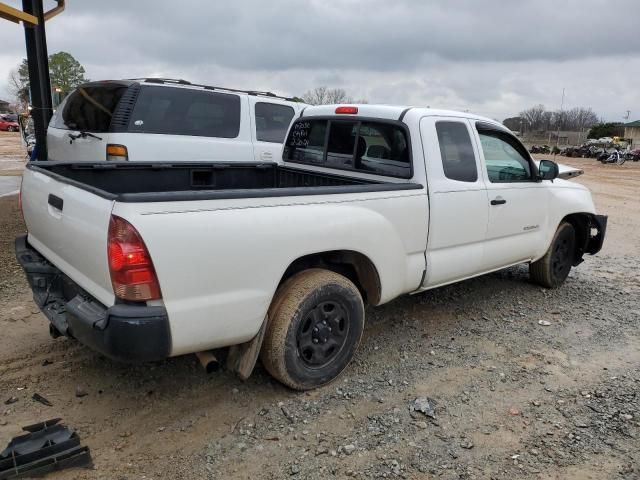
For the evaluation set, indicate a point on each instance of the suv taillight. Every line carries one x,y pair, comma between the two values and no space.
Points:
132,274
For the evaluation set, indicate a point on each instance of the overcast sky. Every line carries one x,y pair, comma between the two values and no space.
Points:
492,57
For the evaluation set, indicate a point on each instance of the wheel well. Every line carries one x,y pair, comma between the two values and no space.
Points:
581,223
353,265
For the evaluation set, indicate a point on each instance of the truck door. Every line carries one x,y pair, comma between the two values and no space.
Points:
458,200
270,120
518,203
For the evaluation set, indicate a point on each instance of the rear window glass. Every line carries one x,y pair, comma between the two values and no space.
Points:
272,121
89,108
180,111
373,147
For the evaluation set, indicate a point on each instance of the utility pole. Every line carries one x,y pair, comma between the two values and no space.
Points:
40,84
626,117
558,129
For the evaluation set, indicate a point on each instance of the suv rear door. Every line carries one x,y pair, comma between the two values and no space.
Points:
172,123
270,121
79,128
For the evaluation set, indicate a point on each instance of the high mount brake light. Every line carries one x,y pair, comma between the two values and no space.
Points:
347,110
132,274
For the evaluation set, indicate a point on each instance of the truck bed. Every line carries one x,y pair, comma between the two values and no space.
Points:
159,182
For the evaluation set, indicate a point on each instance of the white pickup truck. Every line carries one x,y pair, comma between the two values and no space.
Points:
143,260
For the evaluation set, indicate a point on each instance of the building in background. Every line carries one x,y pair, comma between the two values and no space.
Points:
5,107
632,132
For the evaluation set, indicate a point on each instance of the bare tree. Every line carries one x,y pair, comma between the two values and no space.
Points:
534,117
328,96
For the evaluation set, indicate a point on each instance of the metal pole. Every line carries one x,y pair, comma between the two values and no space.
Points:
39,81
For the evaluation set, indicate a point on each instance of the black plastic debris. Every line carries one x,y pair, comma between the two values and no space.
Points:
39,398
47,447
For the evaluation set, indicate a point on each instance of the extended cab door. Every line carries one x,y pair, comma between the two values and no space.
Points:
270,122
518,203
458,200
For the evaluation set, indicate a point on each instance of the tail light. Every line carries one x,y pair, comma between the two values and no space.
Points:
117,152
132,274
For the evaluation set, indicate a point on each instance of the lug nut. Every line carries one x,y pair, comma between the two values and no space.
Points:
324,322
315,340
315,329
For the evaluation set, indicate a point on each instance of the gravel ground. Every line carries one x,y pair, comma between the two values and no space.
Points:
504,394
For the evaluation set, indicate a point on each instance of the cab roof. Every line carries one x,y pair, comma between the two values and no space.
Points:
390,112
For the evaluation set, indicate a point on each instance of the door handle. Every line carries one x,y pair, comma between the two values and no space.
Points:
55,202
498,201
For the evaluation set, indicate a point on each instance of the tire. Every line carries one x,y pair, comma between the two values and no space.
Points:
310,309
552,270
12,129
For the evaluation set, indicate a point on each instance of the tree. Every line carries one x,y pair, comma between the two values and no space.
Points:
328,96
606,129
533,117
66,72
19,84
515,124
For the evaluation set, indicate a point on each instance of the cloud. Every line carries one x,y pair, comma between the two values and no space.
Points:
495,57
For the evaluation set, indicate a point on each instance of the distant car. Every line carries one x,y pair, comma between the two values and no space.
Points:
9,123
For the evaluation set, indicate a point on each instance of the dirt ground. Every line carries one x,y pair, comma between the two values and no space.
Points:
511,398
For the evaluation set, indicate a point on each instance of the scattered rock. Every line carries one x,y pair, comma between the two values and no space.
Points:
544,323
349,449
81,392
423,405
10,400
514,411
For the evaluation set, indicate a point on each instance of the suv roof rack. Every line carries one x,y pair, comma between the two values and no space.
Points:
179,81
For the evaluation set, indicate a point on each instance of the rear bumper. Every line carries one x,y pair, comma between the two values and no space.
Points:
129,333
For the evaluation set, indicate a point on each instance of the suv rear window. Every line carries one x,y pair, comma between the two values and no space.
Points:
376,147
272,121
88,108
181,111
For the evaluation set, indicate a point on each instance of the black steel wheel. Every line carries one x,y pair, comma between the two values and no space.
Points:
322,334
553,268
315,324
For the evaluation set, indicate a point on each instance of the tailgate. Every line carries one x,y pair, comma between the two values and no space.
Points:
68,226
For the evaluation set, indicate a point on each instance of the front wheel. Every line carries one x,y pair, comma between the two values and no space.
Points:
553,269
315,324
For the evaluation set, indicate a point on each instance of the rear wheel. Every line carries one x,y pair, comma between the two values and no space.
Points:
13,129
552,270
315,324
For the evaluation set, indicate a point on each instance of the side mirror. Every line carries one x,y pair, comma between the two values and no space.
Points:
548,170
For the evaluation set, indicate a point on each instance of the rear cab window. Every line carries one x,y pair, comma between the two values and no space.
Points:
368,146
456,150
183,111
88,108
272,121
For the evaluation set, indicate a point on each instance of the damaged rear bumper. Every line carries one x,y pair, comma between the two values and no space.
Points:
130,333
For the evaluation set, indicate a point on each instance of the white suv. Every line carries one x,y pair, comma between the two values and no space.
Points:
155,119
